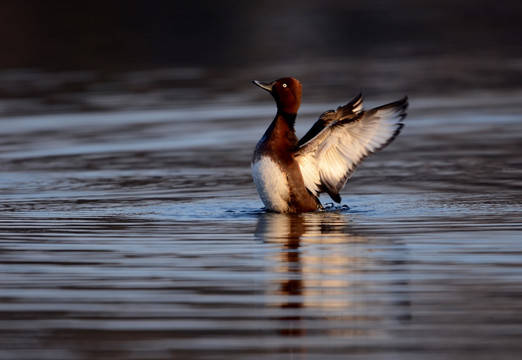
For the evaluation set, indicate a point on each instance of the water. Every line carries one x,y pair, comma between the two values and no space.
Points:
127,231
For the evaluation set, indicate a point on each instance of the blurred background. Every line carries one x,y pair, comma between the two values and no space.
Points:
53,51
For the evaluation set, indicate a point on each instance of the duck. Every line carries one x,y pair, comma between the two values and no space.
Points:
290,173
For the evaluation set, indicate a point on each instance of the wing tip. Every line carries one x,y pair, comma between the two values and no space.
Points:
400,107
351,108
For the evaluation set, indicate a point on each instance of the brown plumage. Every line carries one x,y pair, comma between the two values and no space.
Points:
289,174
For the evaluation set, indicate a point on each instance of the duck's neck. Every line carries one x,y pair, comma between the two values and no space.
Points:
288,118
282,130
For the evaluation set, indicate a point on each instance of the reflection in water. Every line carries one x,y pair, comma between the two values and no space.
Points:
330,281
288,230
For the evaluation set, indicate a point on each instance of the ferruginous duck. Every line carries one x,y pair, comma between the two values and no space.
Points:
290,174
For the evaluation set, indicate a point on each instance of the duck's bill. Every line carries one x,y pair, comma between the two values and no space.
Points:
264,85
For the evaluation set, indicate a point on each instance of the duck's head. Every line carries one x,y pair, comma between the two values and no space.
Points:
286,92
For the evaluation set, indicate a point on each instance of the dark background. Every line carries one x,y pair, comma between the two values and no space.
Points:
75,56
117,35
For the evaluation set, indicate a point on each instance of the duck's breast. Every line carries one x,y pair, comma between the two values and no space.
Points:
271,183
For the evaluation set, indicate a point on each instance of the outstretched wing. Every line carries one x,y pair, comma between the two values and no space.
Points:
329,116
329,158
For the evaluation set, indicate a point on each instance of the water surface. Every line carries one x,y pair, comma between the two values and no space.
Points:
137,233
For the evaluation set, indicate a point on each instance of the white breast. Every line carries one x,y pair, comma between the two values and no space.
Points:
271,183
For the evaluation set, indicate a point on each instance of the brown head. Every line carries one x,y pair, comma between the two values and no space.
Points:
286,92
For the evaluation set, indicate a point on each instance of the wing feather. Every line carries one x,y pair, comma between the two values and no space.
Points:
329,116
329,158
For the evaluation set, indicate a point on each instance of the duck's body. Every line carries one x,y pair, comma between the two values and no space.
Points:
290,174
276,172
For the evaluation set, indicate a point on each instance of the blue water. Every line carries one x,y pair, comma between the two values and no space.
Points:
136,234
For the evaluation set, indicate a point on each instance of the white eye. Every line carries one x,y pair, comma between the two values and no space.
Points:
284,85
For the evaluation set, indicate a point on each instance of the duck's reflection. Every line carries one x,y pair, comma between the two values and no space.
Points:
287,230
326,277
